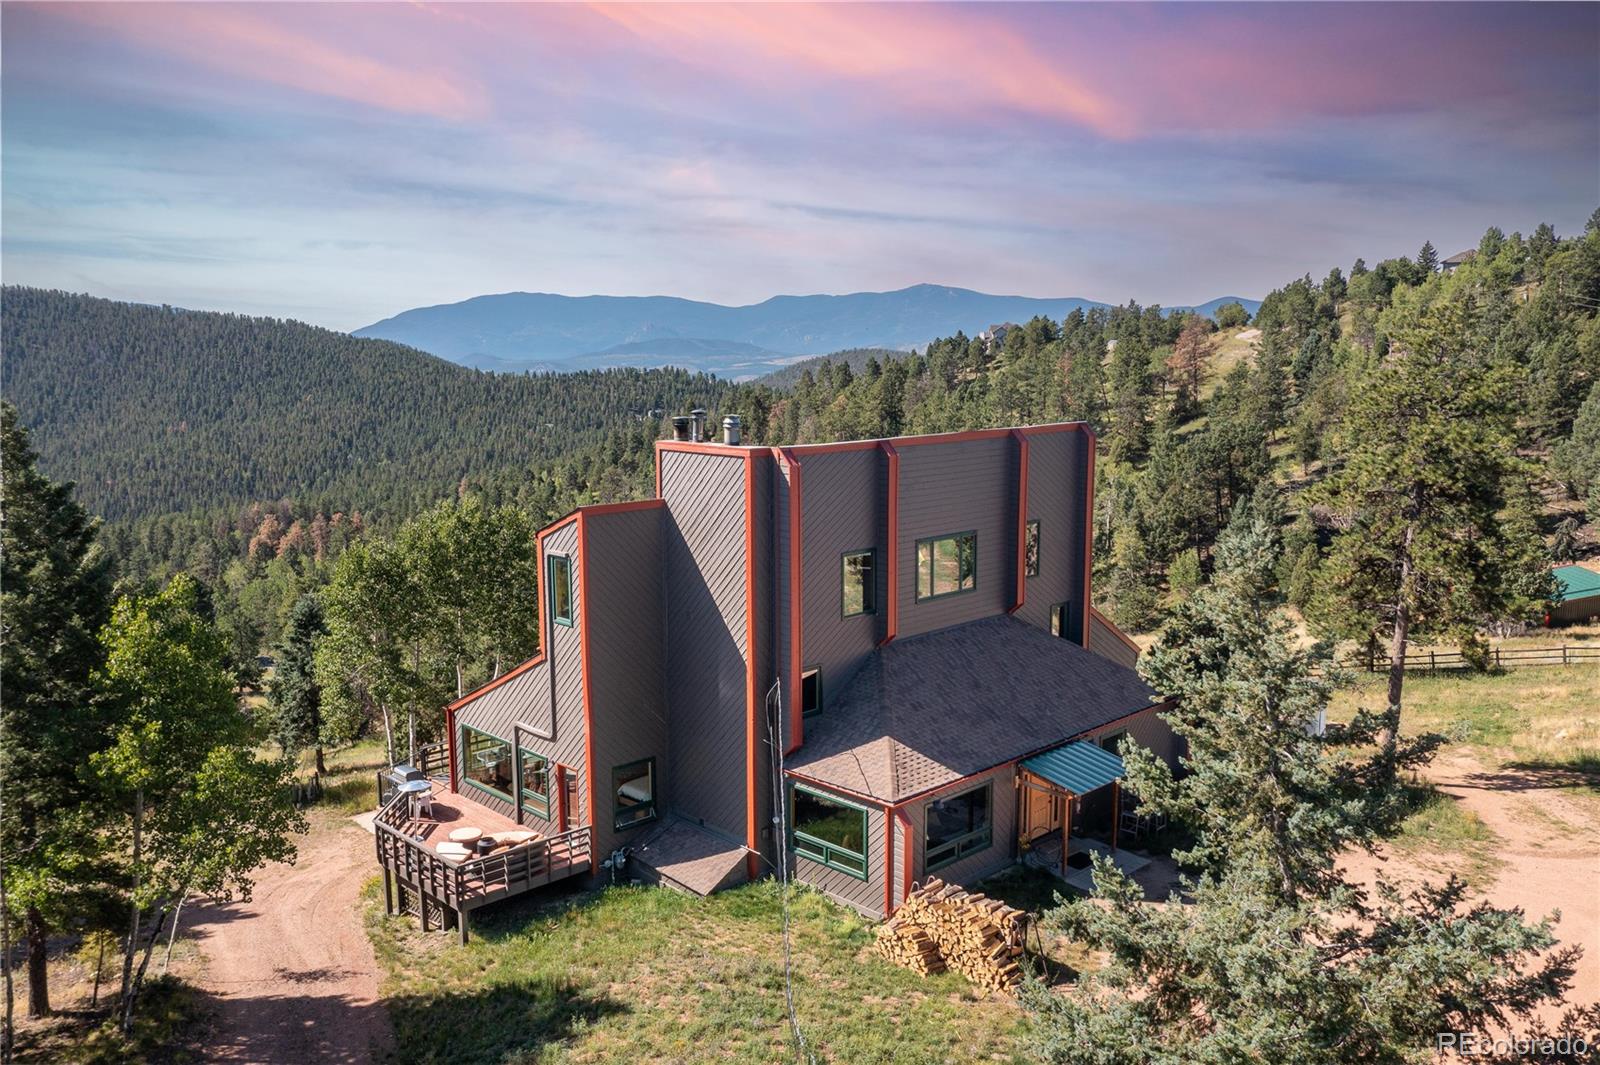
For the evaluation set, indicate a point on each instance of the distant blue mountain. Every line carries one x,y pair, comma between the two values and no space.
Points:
543,331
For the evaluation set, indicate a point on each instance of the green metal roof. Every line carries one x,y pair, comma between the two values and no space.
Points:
1080,766
1576,582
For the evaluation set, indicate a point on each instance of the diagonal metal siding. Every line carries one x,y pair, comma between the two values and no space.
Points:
703,555
841,513
626,646
1057,467
553,687
974,867
865,896
969,485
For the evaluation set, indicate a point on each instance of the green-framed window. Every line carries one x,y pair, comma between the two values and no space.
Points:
947,565
829,830
633,793
559,568
1030,548
810,690
858,583
533,782
487,762
958,825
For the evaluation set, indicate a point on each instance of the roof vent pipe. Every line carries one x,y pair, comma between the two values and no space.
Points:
698,418
680,427
730,430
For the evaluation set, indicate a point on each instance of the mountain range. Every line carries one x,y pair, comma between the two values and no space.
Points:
518,331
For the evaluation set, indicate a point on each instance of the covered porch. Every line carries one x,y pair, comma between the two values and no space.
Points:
1067,796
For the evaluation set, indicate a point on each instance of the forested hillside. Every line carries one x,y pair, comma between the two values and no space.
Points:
152,409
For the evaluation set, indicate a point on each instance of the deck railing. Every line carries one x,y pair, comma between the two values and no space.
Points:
517,869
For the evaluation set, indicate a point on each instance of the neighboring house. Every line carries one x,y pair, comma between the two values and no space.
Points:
1577,596
1458,259
905,623
994,338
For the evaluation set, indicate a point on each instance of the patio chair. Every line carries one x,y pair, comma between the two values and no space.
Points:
422,806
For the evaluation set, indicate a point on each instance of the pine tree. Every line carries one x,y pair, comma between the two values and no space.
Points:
1429,467
1428,259
294,695
55,594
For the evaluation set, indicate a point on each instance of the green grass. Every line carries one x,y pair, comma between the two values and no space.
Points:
647,974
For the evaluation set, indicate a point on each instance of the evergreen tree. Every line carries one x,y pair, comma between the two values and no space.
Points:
1428,259
55,593
1430,467
294,695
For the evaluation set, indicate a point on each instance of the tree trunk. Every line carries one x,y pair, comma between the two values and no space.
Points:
38,964
388,731
322,766
133,907
8,1025
172,935
1397,653
132,996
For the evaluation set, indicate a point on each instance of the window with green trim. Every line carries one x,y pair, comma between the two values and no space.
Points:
947,565
860,587
829,830
533,782
488,762
958,825
633,789
1030,551
560,569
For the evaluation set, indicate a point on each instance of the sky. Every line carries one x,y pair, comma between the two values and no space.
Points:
339,163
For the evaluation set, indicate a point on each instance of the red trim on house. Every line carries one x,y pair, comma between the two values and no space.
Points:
588,688
797,726
1022,518
1118,633
892,625
752,713
888,860
908,850
593,509
1088,529
561,797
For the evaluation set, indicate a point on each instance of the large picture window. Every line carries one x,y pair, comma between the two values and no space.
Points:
958,825
633,789
830,831
860,587
1030,551
947,565
533,782
560,567
488,762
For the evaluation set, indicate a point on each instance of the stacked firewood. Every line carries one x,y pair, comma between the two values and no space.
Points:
944,926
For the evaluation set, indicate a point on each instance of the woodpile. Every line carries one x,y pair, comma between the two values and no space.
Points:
943,926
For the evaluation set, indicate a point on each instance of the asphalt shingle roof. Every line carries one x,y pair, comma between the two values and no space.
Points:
926,710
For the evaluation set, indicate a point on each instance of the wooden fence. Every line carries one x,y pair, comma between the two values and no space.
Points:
1497,658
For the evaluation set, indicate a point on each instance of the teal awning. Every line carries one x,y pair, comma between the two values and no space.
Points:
1576,582
1079,767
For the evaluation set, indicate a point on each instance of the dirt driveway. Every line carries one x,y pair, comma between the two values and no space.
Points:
1547,845
292,971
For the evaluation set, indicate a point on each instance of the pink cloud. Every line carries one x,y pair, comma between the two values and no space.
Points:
267,43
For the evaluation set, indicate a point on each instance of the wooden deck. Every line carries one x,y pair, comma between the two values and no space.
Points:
443,890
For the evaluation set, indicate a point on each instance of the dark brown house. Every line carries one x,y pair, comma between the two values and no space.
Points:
872,660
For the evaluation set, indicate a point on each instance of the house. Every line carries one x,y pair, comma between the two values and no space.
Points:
874,660
1459,258
1577,596
994,338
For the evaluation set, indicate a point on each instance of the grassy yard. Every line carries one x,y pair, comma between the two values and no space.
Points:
647,974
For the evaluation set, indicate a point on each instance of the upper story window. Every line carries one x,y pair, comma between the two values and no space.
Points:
947,565
811,690
1030,549
860,587
560,579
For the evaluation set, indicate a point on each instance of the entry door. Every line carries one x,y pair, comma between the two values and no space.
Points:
1044,812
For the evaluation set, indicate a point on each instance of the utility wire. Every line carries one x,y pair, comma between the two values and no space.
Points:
781,817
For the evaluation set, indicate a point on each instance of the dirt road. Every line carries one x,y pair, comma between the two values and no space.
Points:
1547,846
292,970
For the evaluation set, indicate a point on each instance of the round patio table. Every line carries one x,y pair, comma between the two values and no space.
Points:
465,835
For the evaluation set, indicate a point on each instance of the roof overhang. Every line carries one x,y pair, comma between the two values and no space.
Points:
1078,767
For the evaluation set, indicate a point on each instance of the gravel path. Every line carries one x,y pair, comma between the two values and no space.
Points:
292,971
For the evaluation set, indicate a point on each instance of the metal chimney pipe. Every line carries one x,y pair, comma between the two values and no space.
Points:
680,427
698,417
730,430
